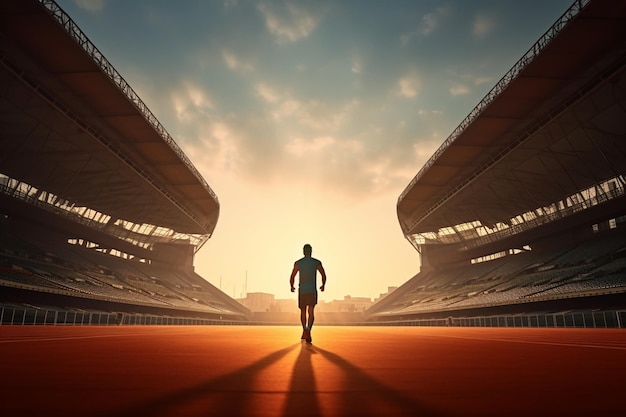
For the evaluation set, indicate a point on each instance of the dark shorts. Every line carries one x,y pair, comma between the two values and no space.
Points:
307,299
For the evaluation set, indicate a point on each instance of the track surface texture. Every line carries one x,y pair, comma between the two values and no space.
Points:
347,371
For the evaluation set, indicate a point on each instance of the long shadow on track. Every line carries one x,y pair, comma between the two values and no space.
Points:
231,394
361,395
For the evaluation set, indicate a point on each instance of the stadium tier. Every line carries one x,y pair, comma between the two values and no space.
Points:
100,209
522,208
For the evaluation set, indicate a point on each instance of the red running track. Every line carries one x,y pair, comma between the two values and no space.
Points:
348,371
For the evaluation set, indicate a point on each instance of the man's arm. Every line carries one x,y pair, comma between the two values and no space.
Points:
320,268
293,276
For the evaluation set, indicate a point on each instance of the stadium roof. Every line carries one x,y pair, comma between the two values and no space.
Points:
73,127
552,127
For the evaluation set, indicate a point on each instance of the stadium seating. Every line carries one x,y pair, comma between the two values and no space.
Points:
79,272
591,268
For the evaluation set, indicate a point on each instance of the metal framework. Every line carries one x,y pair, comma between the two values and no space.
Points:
504,82
545,143
105,161
139,234
476,234
72,29
95,134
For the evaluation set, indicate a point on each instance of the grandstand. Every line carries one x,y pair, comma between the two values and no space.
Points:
522,209
100,210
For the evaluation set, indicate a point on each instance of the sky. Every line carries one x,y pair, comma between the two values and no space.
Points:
309,118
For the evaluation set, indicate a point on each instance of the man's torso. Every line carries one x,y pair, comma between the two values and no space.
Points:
307,267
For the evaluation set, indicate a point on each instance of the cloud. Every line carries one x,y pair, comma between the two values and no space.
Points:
480,80
350,150
482,25
383,173
190,101
345,168
300,146
425,112
321,116
409,85
267,93
90,5
244,146
430,21
288,23
352,166
235,63
428,24
227,152
357,67
467,82
459,90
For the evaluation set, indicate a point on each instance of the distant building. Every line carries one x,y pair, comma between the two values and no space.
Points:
258,301
389,291
349,304
286,305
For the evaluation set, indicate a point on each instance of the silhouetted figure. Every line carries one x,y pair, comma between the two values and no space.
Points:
307,288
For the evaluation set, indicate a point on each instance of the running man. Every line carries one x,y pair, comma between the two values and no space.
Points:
307,289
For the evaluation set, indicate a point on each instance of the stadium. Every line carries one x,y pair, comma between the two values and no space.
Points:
102,212
520,215
518,218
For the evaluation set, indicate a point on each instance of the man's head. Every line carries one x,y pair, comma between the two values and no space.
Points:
307,249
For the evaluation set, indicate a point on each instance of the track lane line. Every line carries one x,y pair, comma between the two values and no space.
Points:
52,339
534,342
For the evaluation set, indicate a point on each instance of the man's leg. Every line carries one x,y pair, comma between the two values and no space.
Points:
303,321
311,310
311,319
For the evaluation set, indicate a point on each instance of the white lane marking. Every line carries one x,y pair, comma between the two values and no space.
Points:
535,342
51,339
